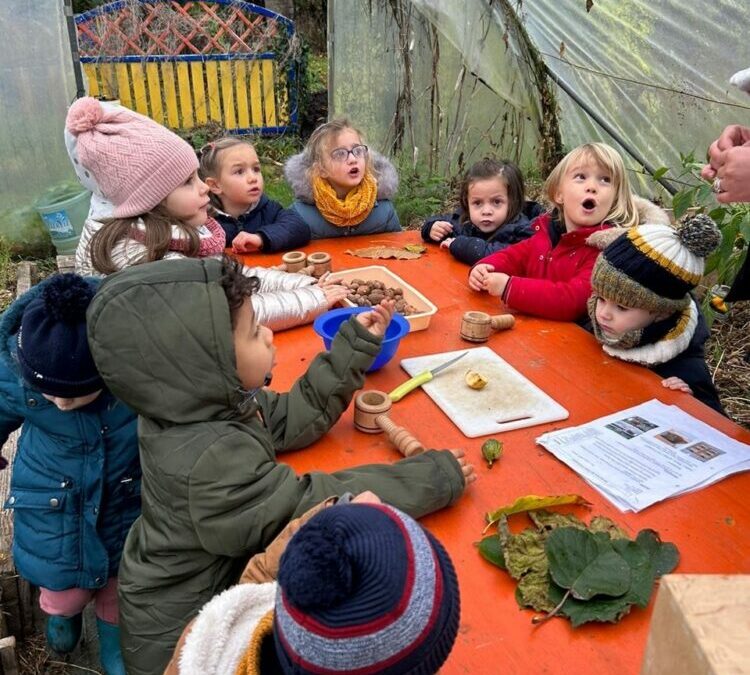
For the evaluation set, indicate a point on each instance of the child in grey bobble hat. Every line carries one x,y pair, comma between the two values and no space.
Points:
642,309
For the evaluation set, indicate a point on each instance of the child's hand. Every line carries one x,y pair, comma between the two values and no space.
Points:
446,243
478,276
366,497
467,469
440,229
245,242
676,384
334,293
325,280
378,319
495,283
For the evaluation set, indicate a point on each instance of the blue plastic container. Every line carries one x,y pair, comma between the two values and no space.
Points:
327,325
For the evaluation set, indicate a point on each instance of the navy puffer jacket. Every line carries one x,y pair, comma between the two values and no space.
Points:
75,488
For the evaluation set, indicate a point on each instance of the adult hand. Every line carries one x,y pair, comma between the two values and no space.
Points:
733,176
440,229
733,136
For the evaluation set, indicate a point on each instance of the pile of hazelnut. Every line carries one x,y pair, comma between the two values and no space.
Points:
369,293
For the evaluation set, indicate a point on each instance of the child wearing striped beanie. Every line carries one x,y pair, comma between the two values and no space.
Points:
642,309
362,589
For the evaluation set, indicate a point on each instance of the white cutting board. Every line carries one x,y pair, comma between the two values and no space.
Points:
509,401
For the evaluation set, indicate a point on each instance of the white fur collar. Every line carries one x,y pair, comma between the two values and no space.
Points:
674,343
221,632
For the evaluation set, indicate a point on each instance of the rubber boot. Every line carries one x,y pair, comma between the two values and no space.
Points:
109,648
63,632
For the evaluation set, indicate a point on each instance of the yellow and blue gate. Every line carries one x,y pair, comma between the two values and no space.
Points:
186,64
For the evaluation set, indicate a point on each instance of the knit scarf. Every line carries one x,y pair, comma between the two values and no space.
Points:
250,662
212,240
351,210
658,343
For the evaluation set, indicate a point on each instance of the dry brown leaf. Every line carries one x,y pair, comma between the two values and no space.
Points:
384,252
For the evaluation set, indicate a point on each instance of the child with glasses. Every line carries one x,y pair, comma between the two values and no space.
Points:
231,169
340,186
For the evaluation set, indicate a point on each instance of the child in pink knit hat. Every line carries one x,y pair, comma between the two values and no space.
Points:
150,175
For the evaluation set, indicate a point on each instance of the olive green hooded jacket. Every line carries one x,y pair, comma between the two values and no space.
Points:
213,493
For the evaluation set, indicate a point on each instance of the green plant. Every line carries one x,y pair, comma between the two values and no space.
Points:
732,219
421,195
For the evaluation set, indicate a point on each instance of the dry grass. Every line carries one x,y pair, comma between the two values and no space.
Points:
728,358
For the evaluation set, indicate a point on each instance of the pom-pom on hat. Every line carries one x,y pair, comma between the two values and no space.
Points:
654,267
364,589
52,347
135,162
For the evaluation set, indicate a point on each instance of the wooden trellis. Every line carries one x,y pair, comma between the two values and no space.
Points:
187,63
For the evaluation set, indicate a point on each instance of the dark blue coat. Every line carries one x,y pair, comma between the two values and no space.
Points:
76,481
470,244
280,229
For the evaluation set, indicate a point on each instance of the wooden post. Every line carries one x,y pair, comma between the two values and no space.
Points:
27,274
8,661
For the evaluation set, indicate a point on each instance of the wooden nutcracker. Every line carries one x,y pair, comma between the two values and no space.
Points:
371,410
477,326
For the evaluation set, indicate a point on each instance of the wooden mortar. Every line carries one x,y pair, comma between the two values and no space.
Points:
321,263
293,261
477,326
371,410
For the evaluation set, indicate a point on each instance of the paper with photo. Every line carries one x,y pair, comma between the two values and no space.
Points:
647,453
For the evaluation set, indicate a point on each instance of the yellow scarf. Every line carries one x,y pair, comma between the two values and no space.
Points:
351,210
250,662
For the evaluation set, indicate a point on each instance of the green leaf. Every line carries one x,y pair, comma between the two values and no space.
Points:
681,202
641,570
583,611
491,550
660,172
586,563
533,591
664,555
524,552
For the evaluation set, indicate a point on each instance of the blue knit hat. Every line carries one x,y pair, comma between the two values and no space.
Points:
364,589
53,350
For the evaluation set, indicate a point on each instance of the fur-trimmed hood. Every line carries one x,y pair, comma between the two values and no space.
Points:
296,168
648,212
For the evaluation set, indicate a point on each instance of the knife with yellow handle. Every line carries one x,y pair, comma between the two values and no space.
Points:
422,378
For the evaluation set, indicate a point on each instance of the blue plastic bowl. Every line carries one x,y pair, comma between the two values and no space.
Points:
327,325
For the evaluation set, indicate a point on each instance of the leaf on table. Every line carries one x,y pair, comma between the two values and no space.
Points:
533,591
549,520
415,248
531,503
491,550
601,608
586,563
602,524
385,252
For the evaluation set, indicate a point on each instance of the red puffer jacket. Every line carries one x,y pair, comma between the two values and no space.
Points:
549,280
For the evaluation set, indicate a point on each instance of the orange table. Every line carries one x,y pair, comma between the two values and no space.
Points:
710,526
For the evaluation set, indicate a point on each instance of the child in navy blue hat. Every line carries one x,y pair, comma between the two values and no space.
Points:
75,488
362,588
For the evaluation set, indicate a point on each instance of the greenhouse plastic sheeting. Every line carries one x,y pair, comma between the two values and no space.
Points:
657,73
36,86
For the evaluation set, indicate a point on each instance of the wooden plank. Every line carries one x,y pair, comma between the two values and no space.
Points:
700,624
256,102
138,78
26,606
282,111
11,604
199,93
66,263
170,95
186,101
123,84
227,94
269,101
91,72
154,92
108,81
240,82
27,274
212,84
8,660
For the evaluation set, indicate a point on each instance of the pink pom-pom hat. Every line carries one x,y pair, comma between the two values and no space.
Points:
136,162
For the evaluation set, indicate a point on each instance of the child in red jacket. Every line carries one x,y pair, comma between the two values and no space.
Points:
549,274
